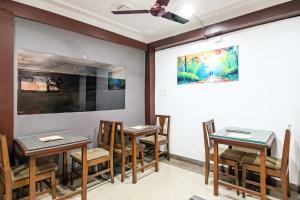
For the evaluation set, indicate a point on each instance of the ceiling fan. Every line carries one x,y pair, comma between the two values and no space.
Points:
158,10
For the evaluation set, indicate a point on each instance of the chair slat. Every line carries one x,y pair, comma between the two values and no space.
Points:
164,122
286,150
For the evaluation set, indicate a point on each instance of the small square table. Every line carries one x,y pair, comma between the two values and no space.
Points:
137,131
33,147
248,138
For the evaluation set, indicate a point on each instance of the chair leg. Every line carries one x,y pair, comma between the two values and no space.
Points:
142,158
53,185
168,151
99,167
37,188
112,174
42,186
123,168
1,190
244,178
206,172
288,184
284,188
17,191
230,170
236,174
72,172
8,192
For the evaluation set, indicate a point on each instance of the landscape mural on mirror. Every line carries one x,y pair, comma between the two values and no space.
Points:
56,84
116,80
220,65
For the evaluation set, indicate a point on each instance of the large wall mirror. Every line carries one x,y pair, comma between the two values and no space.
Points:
56,84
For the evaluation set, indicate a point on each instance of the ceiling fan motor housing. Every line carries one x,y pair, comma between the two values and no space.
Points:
157,11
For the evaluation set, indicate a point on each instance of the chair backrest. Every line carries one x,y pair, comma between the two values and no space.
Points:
208,128
5,169
164,122
106,136
120,138
286,151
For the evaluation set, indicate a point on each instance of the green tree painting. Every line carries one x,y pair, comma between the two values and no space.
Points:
213,66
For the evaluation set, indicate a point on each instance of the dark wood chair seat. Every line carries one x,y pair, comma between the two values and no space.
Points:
151,139
22,171
253,159
128,148
228,154
92,154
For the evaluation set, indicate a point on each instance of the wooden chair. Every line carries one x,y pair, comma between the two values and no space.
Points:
228,157
123,149
100,155
163,136
276,167
12,178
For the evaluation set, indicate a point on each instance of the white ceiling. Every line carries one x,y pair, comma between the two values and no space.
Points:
144,27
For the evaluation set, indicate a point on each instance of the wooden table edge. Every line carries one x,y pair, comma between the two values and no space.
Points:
51,150
245,144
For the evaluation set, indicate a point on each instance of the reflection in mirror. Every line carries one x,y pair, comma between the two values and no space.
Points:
56,84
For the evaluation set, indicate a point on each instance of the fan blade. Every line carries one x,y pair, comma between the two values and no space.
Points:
120,12
163,2
174,17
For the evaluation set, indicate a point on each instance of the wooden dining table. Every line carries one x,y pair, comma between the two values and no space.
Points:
139,131
33,147
260,140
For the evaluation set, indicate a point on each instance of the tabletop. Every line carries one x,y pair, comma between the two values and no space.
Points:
254,136
34,143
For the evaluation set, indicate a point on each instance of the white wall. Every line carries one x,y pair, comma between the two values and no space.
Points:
265,97
43,38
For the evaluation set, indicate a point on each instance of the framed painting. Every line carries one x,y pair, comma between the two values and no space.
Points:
220,65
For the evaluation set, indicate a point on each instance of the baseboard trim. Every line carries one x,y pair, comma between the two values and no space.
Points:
188,160
294,187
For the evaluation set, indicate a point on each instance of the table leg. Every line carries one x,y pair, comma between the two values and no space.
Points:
216,169
263,173
156,157
32,169
269,178
84,173
134,175
269,151
65,168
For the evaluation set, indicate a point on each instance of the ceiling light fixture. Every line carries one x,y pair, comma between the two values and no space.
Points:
187,10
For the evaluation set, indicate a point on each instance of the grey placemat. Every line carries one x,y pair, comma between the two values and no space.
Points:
32,142
196,198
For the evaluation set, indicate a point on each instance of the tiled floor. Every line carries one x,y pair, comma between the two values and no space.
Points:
176,181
